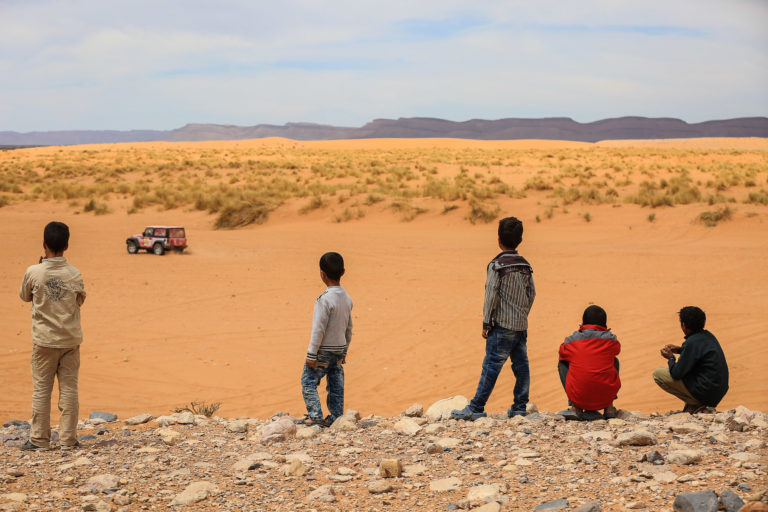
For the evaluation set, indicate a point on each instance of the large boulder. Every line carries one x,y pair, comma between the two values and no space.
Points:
441,410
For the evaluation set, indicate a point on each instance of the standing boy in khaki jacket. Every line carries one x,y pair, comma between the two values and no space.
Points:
55,289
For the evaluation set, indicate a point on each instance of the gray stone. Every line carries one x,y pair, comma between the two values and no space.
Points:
594,506
489,507
101,483
16,423
238,426
730,501
558,504
441,410
106,416
138,419
482,494
407,427
324,493
653,456
701,501
344,423
185,418
636,438
379,486
195,492
685,457
283,426
99,506
308,432
445,484
414,411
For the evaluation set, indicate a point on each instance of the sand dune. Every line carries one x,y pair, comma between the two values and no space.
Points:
230,320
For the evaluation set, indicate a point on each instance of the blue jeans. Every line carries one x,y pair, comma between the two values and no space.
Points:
500,345
328,366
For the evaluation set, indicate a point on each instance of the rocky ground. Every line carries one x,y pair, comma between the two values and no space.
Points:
416,461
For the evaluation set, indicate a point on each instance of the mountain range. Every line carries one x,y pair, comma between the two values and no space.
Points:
554,128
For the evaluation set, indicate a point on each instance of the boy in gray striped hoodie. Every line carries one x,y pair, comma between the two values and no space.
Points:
509,294
328,344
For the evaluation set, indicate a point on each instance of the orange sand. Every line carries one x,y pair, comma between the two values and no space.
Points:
229,321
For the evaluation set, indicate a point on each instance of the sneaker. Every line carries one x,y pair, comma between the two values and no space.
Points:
467,414
610,412
511,413
28,446
694,409
66,447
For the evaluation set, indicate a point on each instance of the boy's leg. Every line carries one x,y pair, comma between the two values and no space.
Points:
496,353
310,378
44,364
519,356
334,384
674,387
69,366
562,370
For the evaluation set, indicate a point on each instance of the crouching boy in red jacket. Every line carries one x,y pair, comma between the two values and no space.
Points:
588,367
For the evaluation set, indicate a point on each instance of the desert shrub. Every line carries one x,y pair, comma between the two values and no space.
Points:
537,182
651,217
243,213
200,408
755,197
587,217
483,213
649,195
314,203
4,201
408,211
372,199
449,208
711,219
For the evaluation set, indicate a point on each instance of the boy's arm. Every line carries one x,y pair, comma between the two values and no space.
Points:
348,333
680,368
491,299
80,291
319,323
25,292
531,290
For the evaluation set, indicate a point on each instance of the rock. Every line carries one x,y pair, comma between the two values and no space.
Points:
531,408
15,472
489,507
379,486
389,468
625,415
251,462
445,484
164,421
99,506
169,436
238,426
344,423
138,419
323,494
308,432
636,438
407,427
558,504
195,492
665,477
16,423
594,506
121,500
745,456
101,483
433,448
18,497
687,428
701,501
295,468
482,494
414,411
730,501
754,506
106,416
652,456
684,457
448,442
441,410
353,413
185,418
284,427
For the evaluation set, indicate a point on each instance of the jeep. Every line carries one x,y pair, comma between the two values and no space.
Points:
158,239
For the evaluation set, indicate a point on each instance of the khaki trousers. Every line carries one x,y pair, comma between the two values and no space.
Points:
674,387
47,364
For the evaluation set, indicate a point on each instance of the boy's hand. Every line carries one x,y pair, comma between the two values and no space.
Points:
485,333
667,352
344,359
311,363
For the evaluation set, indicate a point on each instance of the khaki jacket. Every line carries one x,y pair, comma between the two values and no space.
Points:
55,289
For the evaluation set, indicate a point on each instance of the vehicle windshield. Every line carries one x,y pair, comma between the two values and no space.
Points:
176,232
148,232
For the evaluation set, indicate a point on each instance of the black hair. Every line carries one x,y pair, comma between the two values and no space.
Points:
510,232
595,315
333,265
693,318
56,236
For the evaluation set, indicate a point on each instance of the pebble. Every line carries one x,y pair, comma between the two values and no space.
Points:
379,486
106,416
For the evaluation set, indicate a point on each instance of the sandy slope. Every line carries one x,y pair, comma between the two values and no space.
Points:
230,320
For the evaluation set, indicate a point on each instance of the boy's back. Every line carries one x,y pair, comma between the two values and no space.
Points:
56,291
331,322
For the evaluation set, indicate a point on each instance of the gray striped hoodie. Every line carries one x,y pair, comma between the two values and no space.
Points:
509,292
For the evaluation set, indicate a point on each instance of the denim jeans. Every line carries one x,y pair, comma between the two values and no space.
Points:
500,345
328,366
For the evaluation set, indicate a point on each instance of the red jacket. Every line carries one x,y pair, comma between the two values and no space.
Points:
593,380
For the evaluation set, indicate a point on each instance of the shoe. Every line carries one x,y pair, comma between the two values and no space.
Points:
308,421
28,446
512,413
610,412
66,447
694,409
467,414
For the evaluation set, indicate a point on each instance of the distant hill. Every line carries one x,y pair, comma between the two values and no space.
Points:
555,128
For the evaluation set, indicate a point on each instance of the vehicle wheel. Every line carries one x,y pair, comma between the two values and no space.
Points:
158,249
132,247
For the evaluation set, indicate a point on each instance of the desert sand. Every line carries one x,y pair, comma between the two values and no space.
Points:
229,320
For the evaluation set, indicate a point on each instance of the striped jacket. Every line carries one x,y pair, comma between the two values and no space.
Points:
509,292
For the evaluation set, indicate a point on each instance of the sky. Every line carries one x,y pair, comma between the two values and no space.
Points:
160,64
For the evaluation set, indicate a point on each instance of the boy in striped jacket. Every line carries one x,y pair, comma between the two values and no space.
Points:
509,294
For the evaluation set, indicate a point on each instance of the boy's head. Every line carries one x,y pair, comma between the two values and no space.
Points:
333,265
510,232
56,237
595,315
692,318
